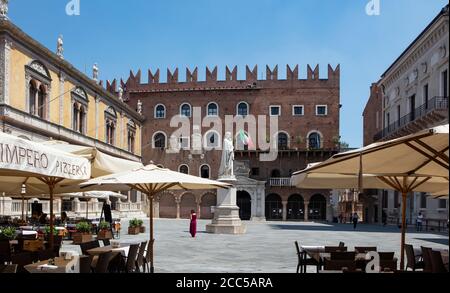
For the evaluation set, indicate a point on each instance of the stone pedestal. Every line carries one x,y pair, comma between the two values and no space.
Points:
226,216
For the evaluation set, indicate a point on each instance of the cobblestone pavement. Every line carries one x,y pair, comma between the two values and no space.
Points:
266,247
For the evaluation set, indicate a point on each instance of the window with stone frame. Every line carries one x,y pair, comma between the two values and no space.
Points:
185,110
213,110
131,136
110,122
283,141
38,82
160,111
205,171
80,102
159,140
184,169
314,141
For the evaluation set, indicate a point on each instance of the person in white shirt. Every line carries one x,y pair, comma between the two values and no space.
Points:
419,221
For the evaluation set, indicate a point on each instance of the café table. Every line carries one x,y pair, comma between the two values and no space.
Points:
123,249
61,266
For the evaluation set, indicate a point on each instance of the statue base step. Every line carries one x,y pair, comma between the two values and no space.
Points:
226,229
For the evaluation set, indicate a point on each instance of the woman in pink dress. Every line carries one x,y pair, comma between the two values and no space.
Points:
193,226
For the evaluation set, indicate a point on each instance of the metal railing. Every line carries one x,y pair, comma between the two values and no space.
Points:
436,103
280,182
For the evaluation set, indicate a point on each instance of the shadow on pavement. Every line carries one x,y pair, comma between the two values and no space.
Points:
443,241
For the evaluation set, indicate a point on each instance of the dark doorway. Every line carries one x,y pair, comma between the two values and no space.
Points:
375,211
274,207
244,202
317,208
296,207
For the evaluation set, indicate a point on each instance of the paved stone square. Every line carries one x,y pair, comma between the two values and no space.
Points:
266,247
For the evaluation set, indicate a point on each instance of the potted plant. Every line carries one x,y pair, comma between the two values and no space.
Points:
104,231
133,227
8,233
141,226
46,232
83,233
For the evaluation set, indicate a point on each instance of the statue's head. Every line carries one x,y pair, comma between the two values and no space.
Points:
228,135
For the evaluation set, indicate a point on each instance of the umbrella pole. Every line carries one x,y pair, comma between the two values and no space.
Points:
402,247
152,268
23,210
51,187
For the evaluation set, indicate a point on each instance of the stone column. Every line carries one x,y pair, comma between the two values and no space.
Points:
284,214
306,211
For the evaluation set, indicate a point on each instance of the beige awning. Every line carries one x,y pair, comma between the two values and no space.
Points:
418,162
152,180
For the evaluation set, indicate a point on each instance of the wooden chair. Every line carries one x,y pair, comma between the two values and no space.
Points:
426,254
339,265
387,261
5,251
341,244
303,260
147,260
106,242
85,264
343,255
437,264
130,263
140,257
21,260
413,262
103,262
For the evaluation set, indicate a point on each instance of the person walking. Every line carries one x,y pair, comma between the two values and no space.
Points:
355,220
193,225
419,221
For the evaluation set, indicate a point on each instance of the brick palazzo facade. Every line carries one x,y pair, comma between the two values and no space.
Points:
308,111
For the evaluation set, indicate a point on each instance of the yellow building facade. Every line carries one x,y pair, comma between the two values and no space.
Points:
44,97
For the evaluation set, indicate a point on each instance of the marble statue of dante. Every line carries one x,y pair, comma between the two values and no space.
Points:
121,93
95,72
226,165
3,8
139,107
59,46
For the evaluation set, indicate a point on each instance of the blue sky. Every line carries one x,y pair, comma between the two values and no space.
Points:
133,34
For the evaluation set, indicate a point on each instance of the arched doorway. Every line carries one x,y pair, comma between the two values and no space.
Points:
318,208
274,207
187,205
208,200
244,202
167,206
296,207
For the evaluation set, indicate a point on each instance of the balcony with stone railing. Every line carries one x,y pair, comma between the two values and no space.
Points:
280,182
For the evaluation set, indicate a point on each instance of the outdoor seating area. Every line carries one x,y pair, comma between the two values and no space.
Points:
340,259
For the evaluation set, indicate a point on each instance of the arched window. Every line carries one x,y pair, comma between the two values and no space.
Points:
75,115
213,109
81,128
204,171
183,169
275,173
42,97
185,110
212,140
160,112
282,141
110,132
242,109
32,97
314,141
159,140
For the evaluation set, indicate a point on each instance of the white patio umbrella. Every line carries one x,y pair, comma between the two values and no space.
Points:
151,180
417,162
26,162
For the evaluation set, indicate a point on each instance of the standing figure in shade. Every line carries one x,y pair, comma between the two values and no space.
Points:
193,226
419,222
355,220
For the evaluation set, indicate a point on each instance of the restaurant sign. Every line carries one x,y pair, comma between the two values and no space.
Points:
19,156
